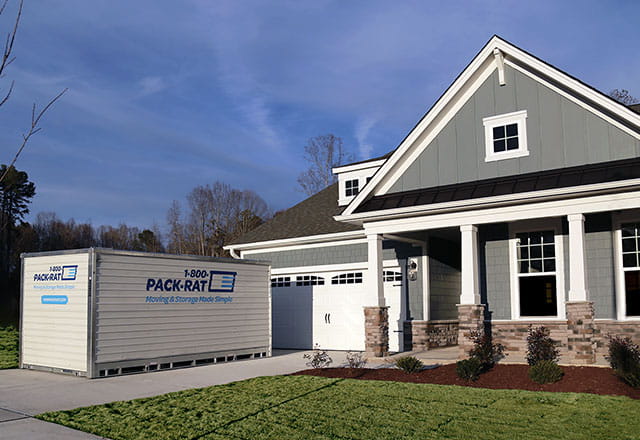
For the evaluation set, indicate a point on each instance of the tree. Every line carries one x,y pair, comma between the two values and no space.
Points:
5,61
623,97
322,153
148,241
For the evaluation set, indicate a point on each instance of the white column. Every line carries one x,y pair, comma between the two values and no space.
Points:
375,288
577,259
470,293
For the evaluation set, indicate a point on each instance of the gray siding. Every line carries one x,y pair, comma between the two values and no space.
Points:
495,282
444,279
129,328
319,256
559,134
600,268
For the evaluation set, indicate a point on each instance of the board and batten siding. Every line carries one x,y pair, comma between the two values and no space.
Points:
600,266
559,134
129,328
444,279
54,324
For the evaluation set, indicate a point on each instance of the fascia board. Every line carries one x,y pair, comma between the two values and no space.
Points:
294,241
488,202
359,166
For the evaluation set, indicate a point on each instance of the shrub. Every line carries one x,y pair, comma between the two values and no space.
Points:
624,358
545,371
484,350
409,364
540,347
356,359
318,358
469,369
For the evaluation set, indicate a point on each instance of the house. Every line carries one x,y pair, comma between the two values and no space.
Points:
514,201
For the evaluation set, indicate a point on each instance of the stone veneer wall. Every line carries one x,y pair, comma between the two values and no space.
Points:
376,329
513,335
604,328
423,335
470,319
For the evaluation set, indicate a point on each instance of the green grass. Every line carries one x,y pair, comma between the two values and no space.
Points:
8,347
304,407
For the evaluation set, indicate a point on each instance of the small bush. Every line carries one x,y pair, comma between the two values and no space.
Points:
540,347
624,358
485,351
469,369
356,359
409,364
318,358
545,371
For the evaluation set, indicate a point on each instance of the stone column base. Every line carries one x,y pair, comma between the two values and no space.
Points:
376,331
470,318
580,333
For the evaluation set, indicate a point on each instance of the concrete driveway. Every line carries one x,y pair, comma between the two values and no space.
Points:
24,393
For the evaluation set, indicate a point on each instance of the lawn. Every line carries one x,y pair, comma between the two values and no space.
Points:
8,347
305,407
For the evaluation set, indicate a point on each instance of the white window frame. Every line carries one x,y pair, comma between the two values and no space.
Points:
519,118
621,297
537,225
355,186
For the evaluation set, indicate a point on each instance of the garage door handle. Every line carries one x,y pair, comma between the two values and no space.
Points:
325,318
329,318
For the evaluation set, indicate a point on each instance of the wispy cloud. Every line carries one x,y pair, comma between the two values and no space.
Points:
362,129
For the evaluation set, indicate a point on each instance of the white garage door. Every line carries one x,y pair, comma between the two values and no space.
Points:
325,309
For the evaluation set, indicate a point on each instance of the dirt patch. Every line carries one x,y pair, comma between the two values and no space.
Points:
592,380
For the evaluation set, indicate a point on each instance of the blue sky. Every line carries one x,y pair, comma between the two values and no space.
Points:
166,95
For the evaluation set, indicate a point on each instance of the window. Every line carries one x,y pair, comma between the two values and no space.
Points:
281,282
347,278
631,267
309,280
536,273
506,136
390,275
351,187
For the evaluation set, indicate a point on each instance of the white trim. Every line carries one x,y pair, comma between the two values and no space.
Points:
426,291
533,226
520,119
618,218
499,57
346,267
399,161
270,244
357,166
489,201
373,278
554,208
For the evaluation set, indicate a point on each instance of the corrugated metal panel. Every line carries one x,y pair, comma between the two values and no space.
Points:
54,314
149,307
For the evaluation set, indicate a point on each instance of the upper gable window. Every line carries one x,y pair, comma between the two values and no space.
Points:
351,187
506,136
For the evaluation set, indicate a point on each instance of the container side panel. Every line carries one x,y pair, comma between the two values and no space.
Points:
54,316
151,308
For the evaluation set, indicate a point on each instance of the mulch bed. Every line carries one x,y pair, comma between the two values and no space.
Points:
592,380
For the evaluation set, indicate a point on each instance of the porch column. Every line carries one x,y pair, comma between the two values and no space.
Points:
376,316
470,311
580,316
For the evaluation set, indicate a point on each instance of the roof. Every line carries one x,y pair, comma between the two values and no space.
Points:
635,107
537,181
313,216
373,159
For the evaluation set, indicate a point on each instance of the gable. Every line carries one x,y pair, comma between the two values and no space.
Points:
560,134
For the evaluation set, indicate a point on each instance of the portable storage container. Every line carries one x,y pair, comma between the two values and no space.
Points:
101,312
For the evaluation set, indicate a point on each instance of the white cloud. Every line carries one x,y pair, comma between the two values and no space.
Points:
362,129
152,84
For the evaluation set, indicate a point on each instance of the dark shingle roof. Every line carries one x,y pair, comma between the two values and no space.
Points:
635,107
313,216
537,181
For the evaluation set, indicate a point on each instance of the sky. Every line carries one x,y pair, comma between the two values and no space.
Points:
166,95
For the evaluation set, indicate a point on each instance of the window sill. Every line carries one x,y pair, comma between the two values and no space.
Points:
506,155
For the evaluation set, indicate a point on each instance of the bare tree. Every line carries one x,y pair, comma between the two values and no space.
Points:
7,59
322,153
176,229
623,97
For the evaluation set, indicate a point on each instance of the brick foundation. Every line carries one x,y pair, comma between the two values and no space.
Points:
423,335
580,330
513,335
470,318
376,329
606,328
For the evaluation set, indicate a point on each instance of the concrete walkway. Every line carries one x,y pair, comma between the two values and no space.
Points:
25,393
